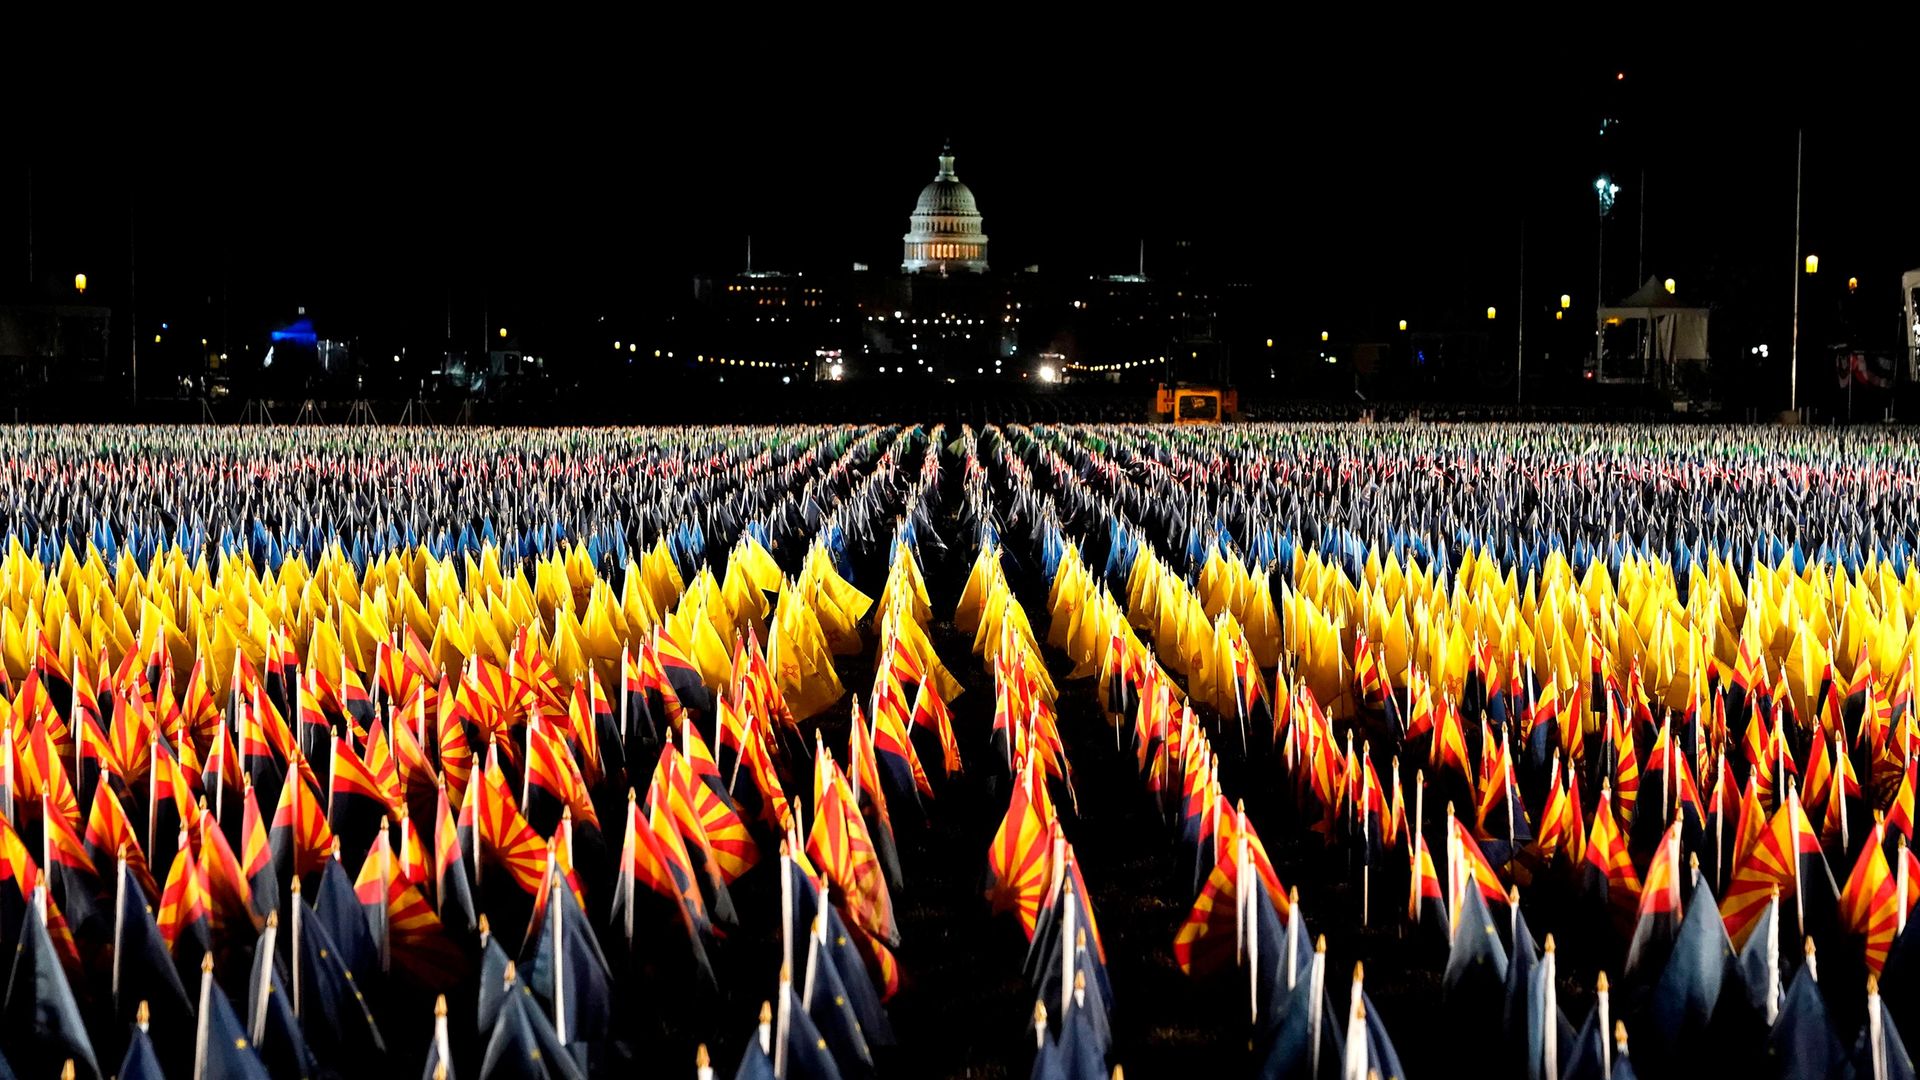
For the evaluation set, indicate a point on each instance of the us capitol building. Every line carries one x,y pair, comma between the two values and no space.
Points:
944,234
942,314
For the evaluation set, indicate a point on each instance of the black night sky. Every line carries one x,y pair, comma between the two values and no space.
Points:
543,177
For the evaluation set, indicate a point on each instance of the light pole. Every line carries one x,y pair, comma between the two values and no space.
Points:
1607,191
1813,264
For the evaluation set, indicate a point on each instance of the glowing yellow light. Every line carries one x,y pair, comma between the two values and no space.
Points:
1557,315
80,283
1489,313
503,331
156,339
1403,324
1323,335
1269,343
1813,264
616,346
1669,285
1566,301
1853,283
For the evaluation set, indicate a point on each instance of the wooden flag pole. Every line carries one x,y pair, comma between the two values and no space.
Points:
257,1029
297,904
119,914
1317,988
1293,936
203,1014
1550,1010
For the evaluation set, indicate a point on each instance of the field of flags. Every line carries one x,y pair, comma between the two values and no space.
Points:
1282,751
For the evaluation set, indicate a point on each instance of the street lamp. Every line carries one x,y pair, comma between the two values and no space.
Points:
1853,284
80,284
1323,335
503,332
1269,343
1607,191
1490,313
1669,284
1566,301
1403,324
1813,264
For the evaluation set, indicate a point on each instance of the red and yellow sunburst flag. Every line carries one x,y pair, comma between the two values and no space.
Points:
1470,868
1900,811
552,770
1773,862
930,712
229,897
378,756
645,862
757,763
20,872
698,780
256,855
671,848
42,776
1626,762
842,850
1209,940
1018,860
416,941
110,833
1449,747
503,832
129,738
1870,901
590,709
184,902
456,753
1233,824
407,739
1657,919
300,837
560,861
1609,866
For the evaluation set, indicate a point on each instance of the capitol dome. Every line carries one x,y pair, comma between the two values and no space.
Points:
944,233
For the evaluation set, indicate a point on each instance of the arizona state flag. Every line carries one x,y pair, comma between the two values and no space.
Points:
553,775
452,889
1900,811
1787,855
1209,939
358,801
1657,922
1018,861
405,926
1609,867
504,834
1426,900
184,918
455,751
256,857
1870,902
300,838
841,847
697,792
109,834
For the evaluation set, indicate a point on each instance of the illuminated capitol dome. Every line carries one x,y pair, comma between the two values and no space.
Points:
945,235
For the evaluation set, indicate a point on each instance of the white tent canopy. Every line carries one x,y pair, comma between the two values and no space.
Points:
1675,333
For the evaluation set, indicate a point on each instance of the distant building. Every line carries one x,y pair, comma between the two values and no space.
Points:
944,234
